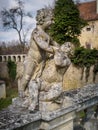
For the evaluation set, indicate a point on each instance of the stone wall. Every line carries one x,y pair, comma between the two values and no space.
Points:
18,59
4,70
72,78
2,89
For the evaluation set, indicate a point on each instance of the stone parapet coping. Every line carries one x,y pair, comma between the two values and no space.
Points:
12,118
83,94
48,116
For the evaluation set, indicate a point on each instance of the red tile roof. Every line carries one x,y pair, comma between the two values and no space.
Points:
88,11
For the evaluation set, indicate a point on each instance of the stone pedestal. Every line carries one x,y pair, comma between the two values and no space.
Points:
22,119
2,89
61,119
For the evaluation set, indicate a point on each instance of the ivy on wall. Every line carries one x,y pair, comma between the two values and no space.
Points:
11,69
85,58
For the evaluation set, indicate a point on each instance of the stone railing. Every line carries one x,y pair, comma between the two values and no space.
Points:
17,118
15,58
84,97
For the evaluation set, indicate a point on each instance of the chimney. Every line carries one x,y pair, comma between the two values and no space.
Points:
97,6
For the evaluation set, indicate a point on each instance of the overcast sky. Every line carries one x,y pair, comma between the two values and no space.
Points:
30,5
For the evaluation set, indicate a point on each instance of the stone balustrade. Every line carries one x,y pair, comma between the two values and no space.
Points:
15,58
84,97
14,118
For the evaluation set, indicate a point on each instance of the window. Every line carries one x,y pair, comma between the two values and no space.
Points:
88,29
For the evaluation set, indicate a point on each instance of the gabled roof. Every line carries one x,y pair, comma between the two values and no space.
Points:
88,11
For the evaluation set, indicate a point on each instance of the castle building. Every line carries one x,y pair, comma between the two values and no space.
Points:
89,34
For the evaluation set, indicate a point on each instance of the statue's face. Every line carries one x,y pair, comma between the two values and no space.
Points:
61,58
43,16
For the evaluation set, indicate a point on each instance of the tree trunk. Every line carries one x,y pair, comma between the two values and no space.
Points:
20,40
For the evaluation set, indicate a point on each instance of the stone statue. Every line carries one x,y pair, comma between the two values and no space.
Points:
40,82
39,44
50,96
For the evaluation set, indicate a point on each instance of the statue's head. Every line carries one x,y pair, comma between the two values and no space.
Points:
61,59
44,15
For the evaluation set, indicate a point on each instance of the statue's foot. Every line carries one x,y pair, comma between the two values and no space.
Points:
33,108
34,111
26,103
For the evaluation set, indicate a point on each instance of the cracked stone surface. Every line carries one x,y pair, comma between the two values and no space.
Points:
82,94
12,118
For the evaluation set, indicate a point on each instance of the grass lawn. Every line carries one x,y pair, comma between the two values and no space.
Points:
10,93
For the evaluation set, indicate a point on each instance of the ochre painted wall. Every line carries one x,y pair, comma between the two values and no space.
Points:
89,35
73,80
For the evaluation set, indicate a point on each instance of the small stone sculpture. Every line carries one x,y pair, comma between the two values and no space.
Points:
40,82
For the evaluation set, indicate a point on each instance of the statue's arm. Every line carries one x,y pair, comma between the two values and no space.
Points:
42,39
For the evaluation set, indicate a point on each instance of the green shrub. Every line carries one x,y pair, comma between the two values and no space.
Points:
86,58
67,22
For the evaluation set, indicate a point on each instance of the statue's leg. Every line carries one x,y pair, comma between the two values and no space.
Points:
33,95
51,99
28,72
53,92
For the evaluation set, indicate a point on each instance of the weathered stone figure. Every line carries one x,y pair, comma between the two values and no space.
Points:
52,80
39,44
42,78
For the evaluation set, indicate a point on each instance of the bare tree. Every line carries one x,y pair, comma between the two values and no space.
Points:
14,19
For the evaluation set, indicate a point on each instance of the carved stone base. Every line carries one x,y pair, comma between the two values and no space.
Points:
52,116
61,119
